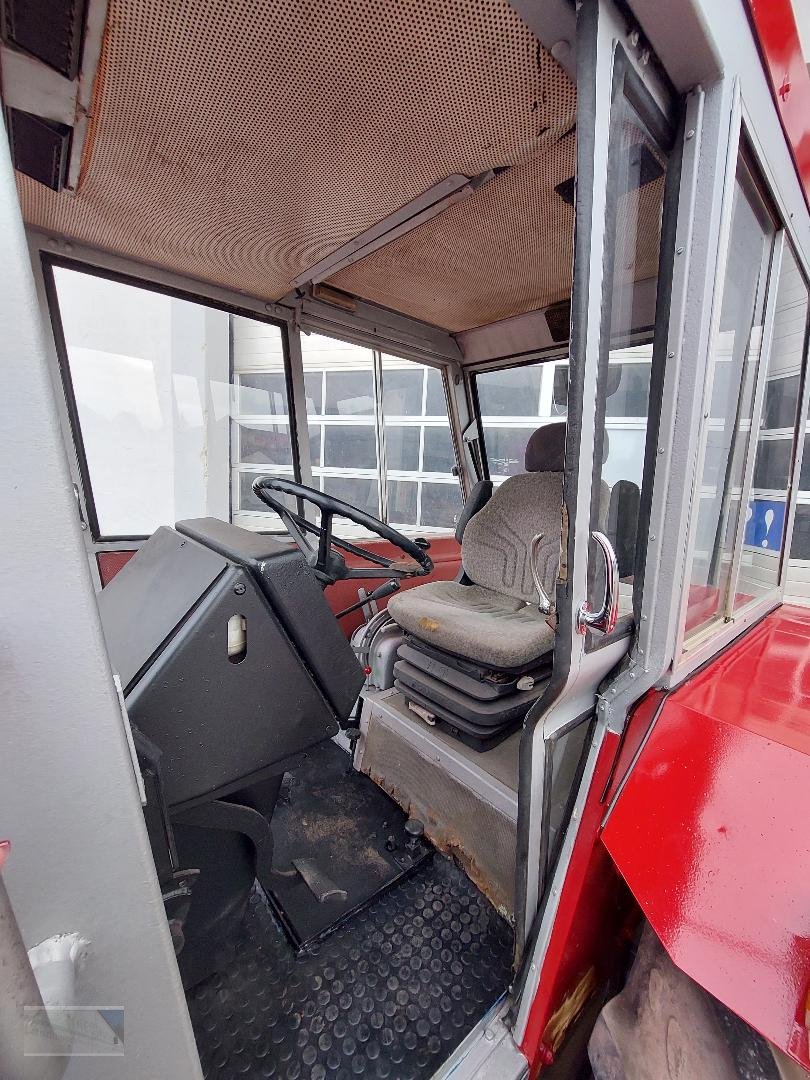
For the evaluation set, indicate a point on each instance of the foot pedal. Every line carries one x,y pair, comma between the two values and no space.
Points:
321,886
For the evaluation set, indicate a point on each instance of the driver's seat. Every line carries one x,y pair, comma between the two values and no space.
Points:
491,618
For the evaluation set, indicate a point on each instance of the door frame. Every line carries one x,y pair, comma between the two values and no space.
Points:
607,49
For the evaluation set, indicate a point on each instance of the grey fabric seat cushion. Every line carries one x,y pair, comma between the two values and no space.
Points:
472,621
496,551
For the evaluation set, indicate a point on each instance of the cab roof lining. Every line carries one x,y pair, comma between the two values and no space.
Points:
239,144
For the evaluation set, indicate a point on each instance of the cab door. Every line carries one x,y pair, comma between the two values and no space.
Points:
627,177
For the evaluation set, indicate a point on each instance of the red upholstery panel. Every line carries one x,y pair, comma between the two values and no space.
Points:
445,551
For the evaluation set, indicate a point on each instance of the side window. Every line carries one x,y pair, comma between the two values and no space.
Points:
421,489
344,448
148,384
733,376
514,402
261,438
766,514
379,434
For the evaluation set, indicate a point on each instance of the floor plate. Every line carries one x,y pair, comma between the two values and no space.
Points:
339,841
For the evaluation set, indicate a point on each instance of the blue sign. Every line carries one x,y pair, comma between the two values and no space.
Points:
765,524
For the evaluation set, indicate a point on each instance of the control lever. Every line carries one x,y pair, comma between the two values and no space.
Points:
385,589
352,735
415,830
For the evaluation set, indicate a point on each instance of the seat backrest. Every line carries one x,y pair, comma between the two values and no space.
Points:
478,498
496,546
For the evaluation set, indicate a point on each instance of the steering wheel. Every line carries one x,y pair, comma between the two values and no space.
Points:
324,555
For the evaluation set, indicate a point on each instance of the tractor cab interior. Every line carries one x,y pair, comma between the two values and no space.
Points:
311,295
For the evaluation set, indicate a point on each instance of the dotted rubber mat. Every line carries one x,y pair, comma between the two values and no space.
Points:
389,994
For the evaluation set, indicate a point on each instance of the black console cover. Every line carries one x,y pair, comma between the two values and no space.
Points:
151,595
222,725
297,599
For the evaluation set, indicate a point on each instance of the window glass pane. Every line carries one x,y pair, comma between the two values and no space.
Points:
347,373
559,395
401,448
804,477
765,514
341,451
772,466
721,385
736,351
415,390
781,396
348,447
263,395
315,441
800,547
402,388
350,393
435,400
638,169
260,444
246,500
357,491
313,389
510,392
441,505
628,389
150,375
506,449
402,502
257,359
536,394
438,453
625,460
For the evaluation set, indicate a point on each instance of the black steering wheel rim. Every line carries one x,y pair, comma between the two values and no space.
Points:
327,564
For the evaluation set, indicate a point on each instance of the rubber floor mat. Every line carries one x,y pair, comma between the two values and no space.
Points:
390,994
339,841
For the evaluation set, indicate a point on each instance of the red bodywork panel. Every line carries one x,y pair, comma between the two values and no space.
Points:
445,551
710,831
591,914
775,29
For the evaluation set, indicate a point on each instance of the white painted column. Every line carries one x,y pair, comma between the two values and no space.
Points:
80,857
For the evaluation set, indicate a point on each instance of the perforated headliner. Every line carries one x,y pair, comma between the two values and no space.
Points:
241,142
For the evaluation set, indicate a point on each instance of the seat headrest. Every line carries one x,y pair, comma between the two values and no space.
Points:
545,450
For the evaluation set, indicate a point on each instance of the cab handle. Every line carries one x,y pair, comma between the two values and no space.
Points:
545,603
605,618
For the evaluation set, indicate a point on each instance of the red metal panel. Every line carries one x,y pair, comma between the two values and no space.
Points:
710,831
591,914
110,562
775,29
